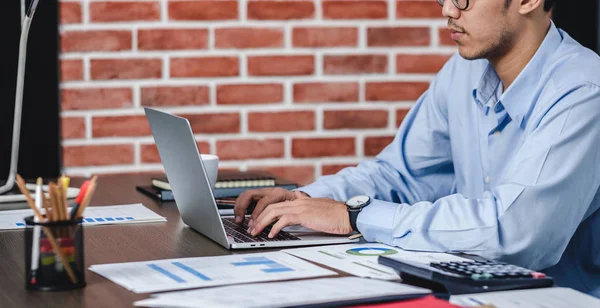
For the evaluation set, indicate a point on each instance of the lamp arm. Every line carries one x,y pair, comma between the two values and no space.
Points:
14,155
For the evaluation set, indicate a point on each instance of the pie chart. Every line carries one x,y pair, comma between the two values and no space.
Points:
371,251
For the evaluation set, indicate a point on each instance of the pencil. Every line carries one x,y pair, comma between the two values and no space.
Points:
53,202
25,192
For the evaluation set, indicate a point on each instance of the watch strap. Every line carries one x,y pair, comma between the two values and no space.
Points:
353,218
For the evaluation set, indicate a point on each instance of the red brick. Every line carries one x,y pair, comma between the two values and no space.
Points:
70,12
420,63
353,119
175,96
71,70
203,10
343,9
72,128
205,67
418,9
445,38
398,36
326,92
280,10
323,147
172,39
283,121
325,37
120,126
355,64
104,69
97,155
248,38
301,175
250,149
395,91
214,123
400,115
149,152
95,40
96,98
281,65
124,11
240,94
374,145
334,168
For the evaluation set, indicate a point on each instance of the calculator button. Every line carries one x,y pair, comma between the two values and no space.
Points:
538,275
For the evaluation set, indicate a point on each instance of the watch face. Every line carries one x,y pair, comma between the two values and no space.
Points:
358,201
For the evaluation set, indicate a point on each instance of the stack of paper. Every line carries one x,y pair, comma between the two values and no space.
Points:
361,259
283,294
535,298
95,215
178,274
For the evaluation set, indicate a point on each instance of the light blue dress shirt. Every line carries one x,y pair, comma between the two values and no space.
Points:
511,175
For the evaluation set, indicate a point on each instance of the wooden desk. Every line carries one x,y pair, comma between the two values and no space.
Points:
106,244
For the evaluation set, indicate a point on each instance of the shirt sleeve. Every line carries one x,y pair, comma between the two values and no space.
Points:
530,217
419,155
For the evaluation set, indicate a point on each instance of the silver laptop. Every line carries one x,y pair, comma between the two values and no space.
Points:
184,168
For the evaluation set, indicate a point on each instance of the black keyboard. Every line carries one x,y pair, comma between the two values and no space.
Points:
241,235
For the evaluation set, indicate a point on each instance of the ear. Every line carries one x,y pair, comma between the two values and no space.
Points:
528,6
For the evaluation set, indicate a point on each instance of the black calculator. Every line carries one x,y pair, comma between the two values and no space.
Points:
467,276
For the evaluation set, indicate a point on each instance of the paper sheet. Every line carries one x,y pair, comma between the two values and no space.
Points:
361,259
279,294
535,298
178,274
95,215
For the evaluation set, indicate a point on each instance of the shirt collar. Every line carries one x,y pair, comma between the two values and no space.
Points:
518,98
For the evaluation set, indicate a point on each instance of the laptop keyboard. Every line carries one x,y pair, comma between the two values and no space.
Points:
241,235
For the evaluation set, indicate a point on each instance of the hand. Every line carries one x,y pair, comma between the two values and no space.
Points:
325,215
265,197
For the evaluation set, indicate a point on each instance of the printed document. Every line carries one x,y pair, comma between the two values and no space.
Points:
178,274
93,215
361,259
534,298
281,294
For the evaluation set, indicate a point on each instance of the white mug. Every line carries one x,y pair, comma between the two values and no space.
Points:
211,166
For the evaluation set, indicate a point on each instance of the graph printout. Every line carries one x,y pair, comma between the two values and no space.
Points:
177,274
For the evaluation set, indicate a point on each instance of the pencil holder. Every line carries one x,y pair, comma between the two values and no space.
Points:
54,255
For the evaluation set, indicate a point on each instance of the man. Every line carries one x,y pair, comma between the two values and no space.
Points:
500,157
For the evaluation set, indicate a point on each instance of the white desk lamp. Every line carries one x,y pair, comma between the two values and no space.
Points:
14,156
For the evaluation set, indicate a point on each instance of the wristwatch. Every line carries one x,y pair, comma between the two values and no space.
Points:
355,205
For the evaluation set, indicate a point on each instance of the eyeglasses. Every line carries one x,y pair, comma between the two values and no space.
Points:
460,4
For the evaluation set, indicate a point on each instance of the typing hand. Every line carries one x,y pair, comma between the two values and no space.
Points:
263,197
325,215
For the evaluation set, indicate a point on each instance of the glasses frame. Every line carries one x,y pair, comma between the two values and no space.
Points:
455,2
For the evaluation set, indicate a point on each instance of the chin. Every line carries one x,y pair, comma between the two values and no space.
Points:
468,54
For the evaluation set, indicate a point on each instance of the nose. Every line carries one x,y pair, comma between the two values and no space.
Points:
450,10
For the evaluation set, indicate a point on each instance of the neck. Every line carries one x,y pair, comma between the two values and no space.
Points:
510,64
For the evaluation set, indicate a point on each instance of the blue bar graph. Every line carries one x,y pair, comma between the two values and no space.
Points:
166,273
191,270
273,267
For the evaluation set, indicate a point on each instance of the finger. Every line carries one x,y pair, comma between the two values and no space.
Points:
244,200
270,199
283,222
265,219
299,195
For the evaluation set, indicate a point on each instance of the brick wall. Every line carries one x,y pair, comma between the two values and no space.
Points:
301,88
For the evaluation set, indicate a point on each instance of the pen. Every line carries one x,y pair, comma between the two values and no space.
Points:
35,248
